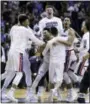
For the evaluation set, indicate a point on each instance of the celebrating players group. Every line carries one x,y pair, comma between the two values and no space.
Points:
56,45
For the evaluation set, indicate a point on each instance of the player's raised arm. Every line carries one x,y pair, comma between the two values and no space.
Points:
34,39
67,41
71,36
46,49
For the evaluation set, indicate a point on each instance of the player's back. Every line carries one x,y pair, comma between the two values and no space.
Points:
58,52
18,38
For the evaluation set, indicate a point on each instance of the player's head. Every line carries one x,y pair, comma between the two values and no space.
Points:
85,26
46,31
49,11
67,22
23,20
54,31
46,34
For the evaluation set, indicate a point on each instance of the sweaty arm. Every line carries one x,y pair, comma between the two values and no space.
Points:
46,49
69,41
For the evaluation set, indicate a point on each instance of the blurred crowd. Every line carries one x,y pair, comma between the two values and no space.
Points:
76,10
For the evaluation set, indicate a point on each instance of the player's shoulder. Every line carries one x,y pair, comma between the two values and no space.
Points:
71,30
43,20
86,35
57,18
17,27
14,26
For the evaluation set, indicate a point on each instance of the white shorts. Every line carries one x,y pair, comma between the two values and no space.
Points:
43,68
69,59
56,70
15,61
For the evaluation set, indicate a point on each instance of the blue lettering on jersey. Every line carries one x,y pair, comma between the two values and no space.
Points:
51,24
64,35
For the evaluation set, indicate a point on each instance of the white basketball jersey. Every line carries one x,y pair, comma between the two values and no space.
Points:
20,36
85,44
53,22
58,52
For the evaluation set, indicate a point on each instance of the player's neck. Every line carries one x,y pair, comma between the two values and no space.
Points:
66,28
85,31
22,25
50,16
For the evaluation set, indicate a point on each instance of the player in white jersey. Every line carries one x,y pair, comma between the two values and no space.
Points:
57,60
69,75
56,66
50,21
20,35
26,69
45,66
85,48
42,70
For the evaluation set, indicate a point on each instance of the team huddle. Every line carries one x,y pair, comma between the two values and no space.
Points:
57,47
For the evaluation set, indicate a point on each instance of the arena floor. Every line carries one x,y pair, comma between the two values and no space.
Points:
20,95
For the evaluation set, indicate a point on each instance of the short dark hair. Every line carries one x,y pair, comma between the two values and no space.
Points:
49,6
48,29
22,18
87,24
54,31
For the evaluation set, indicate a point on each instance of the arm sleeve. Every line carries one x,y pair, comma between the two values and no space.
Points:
34,39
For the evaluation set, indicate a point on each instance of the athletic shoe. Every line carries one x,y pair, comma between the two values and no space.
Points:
3,96
31,97
57,96
81,100
10,96
69,97
50,98
40,91
34,99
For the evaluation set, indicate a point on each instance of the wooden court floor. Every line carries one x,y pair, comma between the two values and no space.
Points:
20,94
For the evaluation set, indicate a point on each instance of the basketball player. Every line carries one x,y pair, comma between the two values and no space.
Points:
85,83
20,35
50,21
70,58
42,70
45,65
83,49
55,74
26,69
